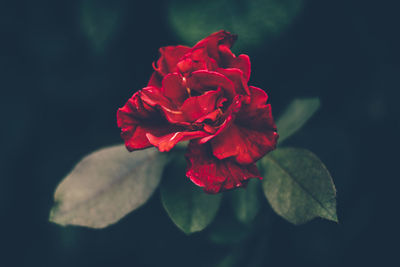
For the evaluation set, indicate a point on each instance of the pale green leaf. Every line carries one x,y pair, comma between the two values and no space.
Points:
188,206
106,185
296,115
298,186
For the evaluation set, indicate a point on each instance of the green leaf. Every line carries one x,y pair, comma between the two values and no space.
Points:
295,116
298,186
106,185
188,206
246,201
254,21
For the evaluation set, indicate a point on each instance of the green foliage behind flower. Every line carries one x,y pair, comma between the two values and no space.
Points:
254,21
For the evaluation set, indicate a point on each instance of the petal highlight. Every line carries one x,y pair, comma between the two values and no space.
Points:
166,142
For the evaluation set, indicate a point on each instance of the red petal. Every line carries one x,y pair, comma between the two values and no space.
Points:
242,62
257,114
199,106
226,56
228,118
211,43
185,65
170,56
203,80
246,145
174,89
135,137
214,115
253,133
238,79
125,118
153,97
166,142
216,175
205,55
136,119
155,80
222,37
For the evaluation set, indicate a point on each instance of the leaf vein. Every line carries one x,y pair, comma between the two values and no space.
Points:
301,186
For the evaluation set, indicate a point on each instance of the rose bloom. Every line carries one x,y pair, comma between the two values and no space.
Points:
201,94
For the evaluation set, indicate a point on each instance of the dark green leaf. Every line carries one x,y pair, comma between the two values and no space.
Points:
106,185
295,116
246,201
254,21
189,207
100,21
230,260
226,230
298,186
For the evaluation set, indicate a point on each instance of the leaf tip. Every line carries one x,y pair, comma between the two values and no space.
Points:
53,218
332,218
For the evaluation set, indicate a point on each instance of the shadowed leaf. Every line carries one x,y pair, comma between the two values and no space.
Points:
100,21
188,206
226,230
254,21
298,186
246,201
295,116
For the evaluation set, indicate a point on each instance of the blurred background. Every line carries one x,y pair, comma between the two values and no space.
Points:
66,66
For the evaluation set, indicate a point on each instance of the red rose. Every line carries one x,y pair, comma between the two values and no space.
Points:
201,94
211,53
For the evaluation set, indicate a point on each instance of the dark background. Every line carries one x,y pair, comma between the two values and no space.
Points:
65,69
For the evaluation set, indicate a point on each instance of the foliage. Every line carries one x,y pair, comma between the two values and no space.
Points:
106,185
110,183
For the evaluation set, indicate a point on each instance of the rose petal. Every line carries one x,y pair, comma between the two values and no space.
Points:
203,80
246,145
238,79
214,115
170,56
257,114
242,62
252,135
154,97
155,80
189,64
125,115
228,118
205,55
166,142
220,37
136,119
174,89
210,43
216,175
135,137
199,106
226,57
